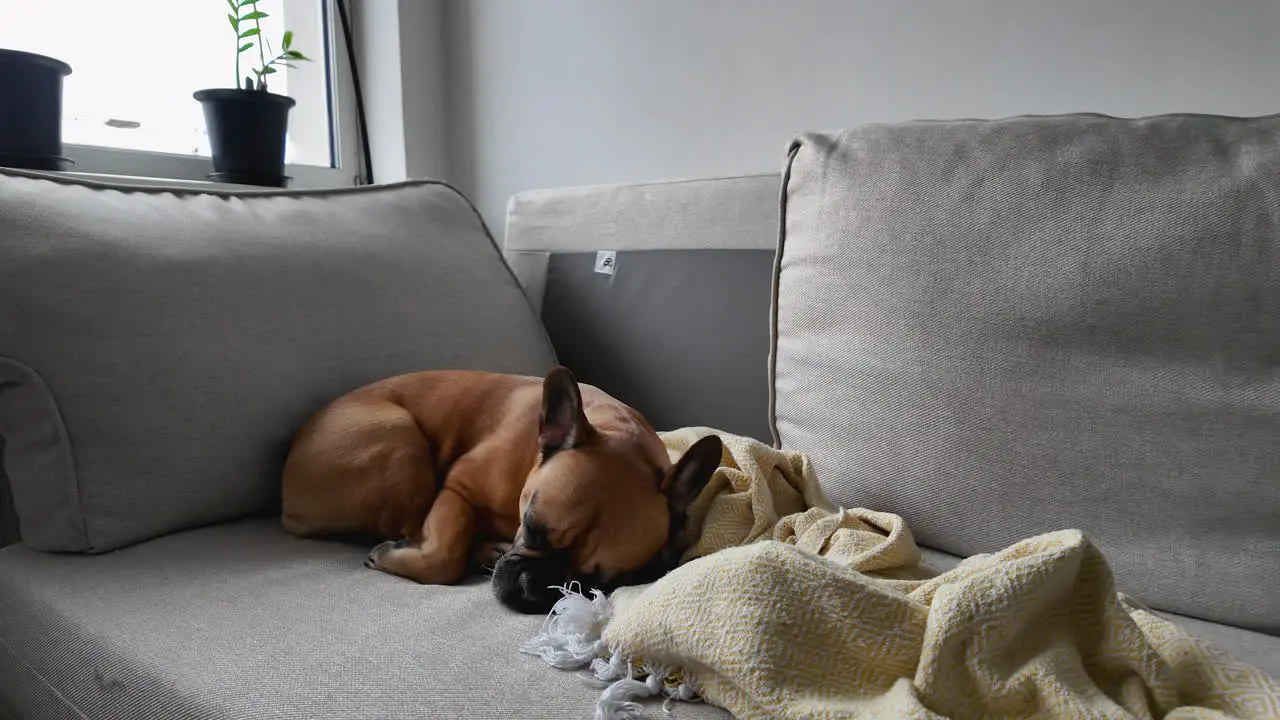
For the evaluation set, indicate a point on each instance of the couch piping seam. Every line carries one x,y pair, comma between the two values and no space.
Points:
774,290
247,194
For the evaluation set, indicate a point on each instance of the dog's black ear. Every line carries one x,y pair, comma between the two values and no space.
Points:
692,472
563,424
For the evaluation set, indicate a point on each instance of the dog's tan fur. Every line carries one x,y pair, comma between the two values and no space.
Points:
450,462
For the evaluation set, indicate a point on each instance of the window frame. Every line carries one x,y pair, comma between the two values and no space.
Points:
158,168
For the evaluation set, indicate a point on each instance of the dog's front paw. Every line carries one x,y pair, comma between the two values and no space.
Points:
380,551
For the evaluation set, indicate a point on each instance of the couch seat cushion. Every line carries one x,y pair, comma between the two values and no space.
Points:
241,620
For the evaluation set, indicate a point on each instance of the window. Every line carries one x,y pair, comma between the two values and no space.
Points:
128,107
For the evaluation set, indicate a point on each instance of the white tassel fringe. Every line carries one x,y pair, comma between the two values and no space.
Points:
570,636
570,639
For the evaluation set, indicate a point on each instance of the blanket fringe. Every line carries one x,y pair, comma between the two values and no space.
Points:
570,635
570,639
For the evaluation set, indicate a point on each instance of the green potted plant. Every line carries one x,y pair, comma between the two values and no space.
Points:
247,124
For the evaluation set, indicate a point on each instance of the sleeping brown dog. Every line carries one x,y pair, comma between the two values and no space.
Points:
549,481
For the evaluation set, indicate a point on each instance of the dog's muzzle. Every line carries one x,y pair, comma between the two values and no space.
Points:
529,584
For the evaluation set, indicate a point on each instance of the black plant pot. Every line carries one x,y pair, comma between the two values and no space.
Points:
31,111
247,129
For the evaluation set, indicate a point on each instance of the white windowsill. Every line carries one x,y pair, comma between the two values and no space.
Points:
138,180
188,171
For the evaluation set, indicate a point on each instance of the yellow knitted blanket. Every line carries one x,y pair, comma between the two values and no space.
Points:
790,608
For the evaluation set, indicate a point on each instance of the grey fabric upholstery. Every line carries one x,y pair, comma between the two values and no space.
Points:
680,330
1002,328
1257,649
241,621
681,335
732,213
159,347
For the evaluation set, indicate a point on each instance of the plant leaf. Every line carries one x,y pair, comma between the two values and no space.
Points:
232,3
235,23
295,55
244,2
246,46
249,33
255,15
267,70
288,39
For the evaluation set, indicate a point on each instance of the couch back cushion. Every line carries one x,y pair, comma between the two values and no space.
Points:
1002,328
159,347
678,327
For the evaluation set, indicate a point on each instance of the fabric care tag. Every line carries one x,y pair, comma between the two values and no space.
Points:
605,262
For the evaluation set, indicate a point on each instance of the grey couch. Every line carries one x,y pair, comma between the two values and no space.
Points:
990,328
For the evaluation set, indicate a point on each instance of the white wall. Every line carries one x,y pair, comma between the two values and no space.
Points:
547,93
402,70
